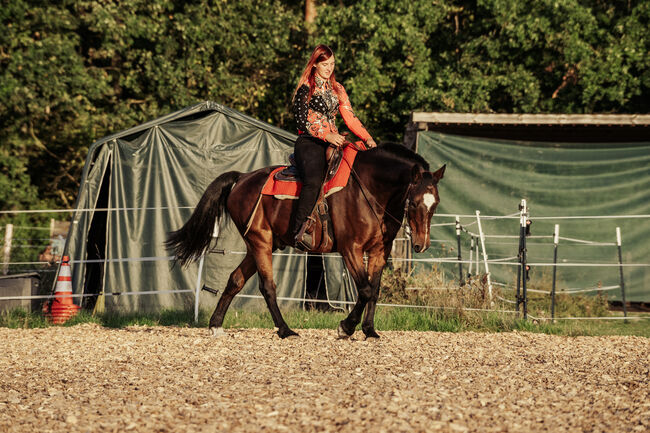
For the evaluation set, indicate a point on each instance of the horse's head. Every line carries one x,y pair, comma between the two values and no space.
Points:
423,200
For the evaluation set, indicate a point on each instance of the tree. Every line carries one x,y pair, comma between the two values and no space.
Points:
74,71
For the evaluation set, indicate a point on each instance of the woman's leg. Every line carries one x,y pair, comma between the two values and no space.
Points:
309,153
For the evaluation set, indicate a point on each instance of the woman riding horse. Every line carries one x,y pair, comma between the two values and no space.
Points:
316,100
388,184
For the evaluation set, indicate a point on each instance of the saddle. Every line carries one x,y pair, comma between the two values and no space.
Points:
285,183
290,173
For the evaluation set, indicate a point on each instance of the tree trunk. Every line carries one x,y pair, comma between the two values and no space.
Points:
310,11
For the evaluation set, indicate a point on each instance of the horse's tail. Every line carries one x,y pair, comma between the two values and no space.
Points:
192,240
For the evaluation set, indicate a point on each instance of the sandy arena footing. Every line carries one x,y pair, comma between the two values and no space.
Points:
87,378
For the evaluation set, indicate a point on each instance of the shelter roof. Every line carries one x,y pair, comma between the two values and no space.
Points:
536,127
533,119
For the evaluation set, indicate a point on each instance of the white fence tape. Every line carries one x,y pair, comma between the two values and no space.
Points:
393,259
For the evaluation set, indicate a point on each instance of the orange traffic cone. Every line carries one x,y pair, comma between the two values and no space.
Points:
62,307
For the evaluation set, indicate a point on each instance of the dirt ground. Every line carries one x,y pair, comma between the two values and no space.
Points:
88,378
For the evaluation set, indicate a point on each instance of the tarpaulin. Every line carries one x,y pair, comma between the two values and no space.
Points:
557,180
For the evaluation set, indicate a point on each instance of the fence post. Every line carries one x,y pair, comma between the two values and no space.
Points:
197,291
556,240
471,256
620,267
9,231
524,261
477,259
460,257
522,296
521,237
485,256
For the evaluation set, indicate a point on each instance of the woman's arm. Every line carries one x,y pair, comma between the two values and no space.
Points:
301,108
350,119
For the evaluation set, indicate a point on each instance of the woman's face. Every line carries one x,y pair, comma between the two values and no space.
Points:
325,68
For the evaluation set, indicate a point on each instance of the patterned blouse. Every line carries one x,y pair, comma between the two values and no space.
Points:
318,117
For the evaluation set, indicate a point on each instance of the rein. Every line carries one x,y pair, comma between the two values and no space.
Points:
407,229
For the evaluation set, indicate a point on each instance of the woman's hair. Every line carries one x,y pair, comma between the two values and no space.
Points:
321,53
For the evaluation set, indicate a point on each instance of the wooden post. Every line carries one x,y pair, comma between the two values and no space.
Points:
9,232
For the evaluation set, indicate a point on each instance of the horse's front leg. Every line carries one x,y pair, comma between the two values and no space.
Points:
376,264
354,263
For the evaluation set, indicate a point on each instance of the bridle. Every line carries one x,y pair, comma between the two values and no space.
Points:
405,221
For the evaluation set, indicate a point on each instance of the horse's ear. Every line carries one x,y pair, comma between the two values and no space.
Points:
437,175
416,174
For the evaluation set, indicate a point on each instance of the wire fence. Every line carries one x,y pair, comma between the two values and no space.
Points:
48,267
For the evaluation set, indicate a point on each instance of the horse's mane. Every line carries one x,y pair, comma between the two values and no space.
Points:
400,152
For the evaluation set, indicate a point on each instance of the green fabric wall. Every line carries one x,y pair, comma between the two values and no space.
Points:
168,163
557,179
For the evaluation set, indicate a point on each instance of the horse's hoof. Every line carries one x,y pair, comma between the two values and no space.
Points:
288,333
371,334
341,333
217,332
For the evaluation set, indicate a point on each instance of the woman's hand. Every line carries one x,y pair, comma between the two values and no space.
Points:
335,139
371,143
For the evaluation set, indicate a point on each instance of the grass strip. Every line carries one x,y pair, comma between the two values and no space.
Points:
387,319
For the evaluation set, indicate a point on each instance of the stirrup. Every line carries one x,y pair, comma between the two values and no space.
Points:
304,240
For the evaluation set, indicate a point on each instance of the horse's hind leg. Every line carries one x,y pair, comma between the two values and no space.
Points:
264,261
236,282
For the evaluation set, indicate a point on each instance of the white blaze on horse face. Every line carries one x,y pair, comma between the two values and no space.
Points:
429,200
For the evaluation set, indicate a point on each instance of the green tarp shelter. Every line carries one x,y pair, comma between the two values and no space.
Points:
558,179
142,183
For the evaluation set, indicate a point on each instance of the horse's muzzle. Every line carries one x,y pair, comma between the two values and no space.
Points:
420,248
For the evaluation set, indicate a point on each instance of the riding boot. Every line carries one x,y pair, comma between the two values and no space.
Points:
304,240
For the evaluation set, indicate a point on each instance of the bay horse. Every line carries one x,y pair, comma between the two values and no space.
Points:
386,183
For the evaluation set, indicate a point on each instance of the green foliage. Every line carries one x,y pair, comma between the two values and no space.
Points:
74,71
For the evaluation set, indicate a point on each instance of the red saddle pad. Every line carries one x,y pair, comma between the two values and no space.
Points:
283,189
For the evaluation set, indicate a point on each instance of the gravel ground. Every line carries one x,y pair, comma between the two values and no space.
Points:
88,378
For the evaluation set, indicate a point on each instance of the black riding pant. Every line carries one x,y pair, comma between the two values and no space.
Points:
309,153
